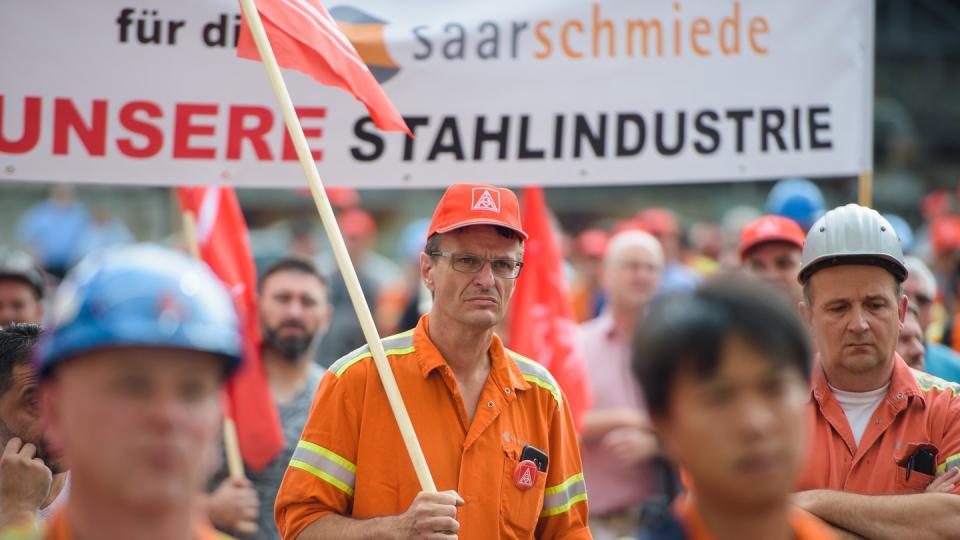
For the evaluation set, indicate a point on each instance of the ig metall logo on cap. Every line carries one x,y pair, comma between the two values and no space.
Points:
485,199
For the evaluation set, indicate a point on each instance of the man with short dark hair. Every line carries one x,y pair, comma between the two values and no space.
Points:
725,373
32,480
882,432
294,310
495,428
21,288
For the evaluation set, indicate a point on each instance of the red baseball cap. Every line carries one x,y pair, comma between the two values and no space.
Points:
476,204
770,229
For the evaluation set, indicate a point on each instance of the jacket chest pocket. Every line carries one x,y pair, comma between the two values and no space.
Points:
519,508
917,483
916,467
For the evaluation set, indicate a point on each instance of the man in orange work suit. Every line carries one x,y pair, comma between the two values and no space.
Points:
495,428
885,439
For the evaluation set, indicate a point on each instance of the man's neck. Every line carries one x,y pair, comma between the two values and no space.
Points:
860,382
92,518
464,349
625,320
725,523
56,486
466,352
286,378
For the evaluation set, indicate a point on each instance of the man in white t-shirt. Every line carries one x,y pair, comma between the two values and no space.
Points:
882,435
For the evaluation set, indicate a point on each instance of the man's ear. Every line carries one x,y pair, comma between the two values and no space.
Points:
902,307
426,270
805,312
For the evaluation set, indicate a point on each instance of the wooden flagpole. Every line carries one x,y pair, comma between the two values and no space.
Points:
231,444
252,17
865,189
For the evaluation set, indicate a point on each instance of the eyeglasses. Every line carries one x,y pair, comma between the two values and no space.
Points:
470,263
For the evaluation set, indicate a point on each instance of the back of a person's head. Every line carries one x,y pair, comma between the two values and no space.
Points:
688,333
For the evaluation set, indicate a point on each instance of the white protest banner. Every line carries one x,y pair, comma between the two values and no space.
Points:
543,92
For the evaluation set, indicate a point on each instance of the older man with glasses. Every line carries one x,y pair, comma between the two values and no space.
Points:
495,428
920,287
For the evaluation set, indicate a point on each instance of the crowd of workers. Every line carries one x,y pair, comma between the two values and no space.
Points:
795,372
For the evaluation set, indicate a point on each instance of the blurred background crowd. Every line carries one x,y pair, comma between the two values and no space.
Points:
692,231
698,237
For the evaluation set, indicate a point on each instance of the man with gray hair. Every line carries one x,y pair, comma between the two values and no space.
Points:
884,445
921,289
617,438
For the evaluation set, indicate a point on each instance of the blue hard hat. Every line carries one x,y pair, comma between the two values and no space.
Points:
135,296
798,199
903,230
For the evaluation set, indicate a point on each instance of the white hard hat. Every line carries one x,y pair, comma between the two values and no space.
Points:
852,234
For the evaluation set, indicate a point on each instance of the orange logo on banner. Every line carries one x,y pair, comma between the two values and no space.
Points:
367,33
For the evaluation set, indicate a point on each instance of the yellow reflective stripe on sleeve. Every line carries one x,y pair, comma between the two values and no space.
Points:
928,382
558,499
545,385
538,375
394,345
951,462
327,454
325,465
323,475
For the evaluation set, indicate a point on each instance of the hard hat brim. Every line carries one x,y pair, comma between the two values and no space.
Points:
890,264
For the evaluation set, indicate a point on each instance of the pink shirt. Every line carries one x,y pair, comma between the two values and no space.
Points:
607,357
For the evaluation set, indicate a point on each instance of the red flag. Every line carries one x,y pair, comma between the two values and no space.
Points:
305,37
542,323
225,247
